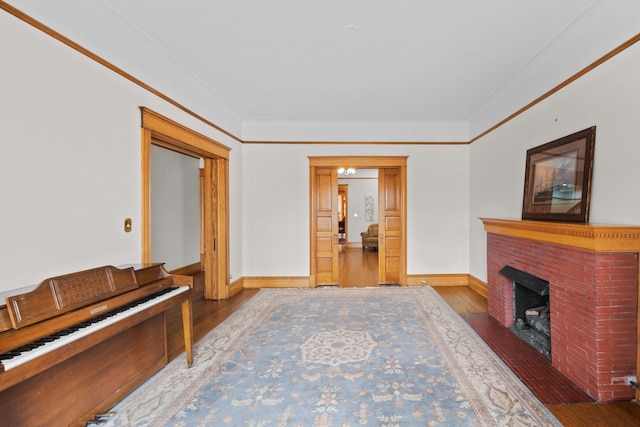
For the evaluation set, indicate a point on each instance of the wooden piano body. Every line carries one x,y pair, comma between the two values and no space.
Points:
87,375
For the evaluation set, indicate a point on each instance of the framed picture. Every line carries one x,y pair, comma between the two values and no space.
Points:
557,184
369,208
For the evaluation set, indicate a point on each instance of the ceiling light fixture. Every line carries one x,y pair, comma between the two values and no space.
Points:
351,29
347,171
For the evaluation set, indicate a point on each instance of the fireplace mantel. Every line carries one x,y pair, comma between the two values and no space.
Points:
592,237
593,273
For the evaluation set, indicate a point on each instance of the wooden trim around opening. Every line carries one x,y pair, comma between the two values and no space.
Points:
360,162
162,131
179,137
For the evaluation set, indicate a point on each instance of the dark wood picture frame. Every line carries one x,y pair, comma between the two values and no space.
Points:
557,185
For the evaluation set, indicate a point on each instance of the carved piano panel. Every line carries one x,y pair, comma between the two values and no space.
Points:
62,294
94,345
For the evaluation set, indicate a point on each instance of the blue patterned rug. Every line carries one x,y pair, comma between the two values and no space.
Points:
337,357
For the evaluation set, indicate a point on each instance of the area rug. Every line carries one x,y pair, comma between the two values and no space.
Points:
337,357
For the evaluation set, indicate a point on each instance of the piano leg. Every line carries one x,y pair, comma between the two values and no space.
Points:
187,326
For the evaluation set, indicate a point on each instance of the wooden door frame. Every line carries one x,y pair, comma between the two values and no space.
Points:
164,132
360,162
324,226
343,189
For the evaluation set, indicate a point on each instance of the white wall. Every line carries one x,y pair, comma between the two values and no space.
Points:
607,97
70,165
276,205
572,49
70,174
175,208
355,130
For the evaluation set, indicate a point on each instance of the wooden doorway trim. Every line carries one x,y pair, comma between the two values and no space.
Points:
324,226
343,197
360,162
161,131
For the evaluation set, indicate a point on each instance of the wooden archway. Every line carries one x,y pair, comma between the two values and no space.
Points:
161,131
392,200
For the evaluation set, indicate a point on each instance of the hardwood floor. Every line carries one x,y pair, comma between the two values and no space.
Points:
570,405
358,267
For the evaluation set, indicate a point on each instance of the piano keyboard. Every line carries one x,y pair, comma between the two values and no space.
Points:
50,343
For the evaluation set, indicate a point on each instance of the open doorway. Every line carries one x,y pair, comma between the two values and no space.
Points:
162,132
175,209
391,217
357,214
358,192
343,214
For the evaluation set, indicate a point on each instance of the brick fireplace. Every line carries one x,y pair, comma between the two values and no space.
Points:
593,294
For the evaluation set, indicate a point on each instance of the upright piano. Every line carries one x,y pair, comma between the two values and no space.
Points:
79,343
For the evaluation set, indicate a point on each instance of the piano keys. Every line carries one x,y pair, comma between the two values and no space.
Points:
55,341
77,344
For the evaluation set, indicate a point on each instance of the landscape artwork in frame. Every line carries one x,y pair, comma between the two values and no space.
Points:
557,185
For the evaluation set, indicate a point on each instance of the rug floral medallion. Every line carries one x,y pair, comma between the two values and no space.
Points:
337,357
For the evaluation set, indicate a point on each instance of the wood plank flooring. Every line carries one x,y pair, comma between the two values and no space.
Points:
359,268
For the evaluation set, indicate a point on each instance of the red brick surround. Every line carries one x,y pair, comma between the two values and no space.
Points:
593,297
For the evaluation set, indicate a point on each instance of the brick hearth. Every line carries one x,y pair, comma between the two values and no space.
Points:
593,278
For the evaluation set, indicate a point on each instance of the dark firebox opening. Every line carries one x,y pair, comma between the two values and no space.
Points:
532,314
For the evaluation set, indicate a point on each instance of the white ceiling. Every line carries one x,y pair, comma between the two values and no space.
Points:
443,69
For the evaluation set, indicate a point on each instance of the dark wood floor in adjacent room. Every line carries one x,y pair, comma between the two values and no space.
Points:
566,401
